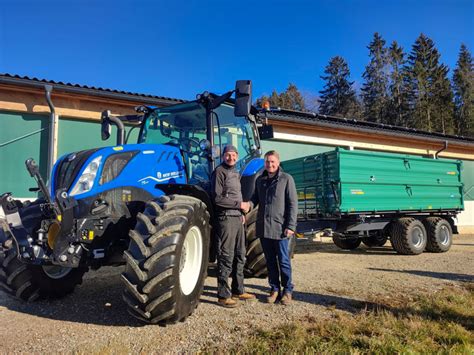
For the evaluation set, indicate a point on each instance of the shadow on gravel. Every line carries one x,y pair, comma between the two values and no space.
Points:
342,303
332,249
97,301
437,275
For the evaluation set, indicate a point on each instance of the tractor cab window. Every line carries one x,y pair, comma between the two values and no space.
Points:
182,126
238,131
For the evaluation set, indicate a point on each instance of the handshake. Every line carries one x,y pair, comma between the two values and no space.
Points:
245,207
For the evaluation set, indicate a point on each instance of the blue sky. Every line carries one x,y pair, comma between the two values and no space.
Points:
180,48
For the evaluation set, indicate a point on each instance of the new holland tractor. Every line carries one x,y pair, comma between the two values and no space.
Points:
145,205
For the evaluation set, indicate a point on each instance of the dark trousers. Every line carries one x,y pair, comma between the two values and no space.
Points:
277,254
230,256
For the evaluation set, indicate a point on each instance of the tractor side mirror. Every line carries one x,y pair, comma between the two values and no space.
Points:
243,97
106,128
265,132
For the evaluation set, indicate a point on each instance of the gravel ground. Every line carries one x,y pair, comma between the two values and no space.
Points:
94,318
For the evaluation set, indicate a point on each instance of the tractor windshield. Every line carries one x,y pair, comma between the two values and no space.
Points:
176,125
184,126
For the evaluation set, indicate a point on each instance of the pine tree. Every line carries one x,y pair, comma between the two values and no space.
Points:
429,95
275,99
375,88
463,82
398,107
292,99
338,97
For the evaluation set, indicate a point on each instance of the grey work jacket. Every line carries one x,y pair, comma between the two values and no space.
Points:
277,205
226,191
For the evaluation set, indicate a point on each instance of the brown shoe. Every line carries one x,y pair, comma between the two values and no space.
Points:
227,302
286,299
244,296
272,297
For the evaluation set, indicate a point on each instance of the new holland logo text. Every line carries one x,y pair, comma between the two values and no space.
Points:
161,177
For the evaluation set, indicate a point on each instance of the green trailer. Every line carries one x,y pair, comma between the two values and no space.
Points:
361,196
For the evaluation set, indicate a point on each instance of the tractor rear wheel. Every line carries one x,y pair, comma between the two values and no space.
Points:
255,263
440,234
167,259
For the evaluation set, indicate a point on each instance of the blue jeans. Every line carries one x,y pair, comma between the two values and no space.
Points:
277,255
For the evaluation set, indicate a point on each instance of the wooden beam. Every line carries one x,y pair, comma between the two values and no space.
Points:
67,105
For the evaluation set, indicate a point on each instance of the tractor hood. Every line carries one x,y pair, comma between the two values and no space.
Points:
89,172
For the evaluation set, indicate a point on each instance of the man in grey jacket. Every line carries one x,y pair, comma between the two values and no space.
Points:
275,194
227,196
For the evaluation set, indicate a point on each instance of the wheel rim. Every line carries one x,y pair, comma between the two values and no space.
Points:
190,261
444,235
417,237
56,272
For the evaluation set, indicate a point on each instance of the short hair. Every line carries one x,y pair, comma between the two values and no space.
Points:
272,152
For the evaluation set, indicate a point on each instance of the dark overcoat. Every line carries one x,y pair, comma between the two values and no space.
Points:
277,203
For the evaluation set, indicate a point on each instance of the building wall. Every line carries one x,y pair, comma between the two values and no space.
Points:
22,136
75,135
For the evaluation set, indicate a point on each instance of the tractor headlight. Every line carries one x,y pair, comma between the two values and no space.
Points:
86,180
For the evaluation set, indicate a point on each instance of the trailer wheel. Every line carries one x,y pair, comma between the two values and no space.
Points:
377,239
255,263
30,282
440,234
346,243
408,236
167,259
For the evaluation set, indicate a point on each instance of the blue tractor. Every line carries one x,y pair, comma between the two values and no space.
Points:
145,205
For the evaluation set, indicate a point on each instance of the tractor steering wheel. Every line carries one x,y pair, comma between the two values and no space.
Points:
190,145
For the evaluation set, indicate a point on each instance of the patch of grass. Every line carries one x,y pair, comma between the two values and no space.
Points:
437,323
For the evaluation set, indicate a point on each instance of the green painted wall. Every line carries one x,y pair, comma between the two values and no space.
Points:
75,135
13,175
468,178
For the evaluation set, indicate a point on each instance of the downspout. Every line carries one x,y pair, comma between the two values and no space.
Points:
442,149
52,130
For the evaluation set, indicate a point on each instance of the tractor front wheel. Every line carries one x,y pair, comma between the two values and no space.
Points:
167,259
30,282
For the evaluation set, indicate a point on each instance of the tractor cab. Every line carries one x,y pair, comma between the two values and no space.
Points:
185,127
200,129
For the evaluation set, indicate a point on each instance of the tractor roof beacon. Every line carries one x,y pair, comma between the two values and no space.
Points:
146,205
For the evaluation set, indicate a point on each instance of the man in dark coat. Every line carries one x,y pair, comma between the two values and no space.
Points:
227,196
275,194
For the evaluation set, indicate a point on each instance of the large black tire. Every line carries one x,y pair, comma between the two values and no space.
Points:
408,236
167,259
375,239
30,282
440,234
255,263
346,243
